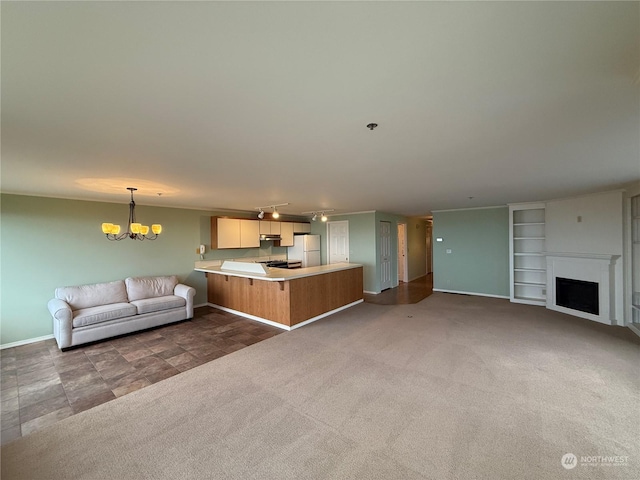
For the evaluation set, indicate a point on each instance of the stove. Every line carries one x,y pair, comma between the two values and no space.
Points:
280,264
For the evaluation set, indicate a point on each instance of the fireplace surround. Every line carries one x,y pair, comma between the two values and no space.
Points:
593,273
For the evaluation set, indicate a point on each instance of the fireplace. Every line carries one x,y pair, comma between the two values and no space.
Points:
577,295
586,285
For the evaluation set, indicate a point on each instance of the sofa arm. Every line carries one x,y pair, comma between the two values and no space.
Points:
187,293
62,321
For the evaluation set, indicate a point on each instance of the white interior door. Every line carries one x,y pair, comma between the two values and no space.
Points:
385,255
338,244
402,252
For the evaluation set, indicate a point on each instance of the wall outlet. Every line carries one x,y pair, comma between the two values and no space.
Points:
448,250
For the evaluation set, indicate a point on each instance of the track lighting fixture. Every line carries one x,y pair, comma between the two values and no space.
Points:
321,213
275,213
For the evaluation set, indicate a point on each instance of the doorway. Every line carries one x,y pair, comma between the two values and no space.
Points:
402,253
338,244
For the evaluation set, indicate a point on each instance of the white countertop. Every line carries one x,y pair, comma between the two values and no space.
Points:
280,274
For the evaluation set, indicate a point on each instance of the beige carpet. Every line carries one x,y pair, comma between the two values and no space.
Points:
454,387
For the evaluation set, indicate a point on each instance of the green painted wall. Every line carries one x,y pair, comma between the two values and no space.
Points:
47,243
479,258
362,246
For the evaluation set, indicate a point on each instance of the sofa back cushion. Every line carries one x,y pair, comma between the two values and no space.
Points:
139,288
87,296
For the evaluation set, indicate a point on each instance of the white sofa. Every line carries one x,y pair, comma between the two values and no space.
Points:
87,313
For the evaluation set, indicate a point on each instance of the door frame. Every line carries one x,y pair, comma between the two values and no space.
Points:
405,263
328,249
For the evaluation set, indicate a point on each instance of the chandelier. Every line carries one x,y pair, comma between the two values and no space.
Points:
135,231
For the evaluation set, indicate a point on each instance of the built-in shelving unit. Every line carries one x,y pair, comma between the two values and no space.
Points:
528,272
635,261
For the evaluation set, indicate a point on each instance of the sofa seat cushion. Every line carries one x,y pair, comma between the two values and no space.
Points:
94,295
102,313
157,304
139,288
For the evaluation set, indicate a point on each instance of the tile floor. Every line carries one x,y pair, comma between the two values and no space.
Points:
42,385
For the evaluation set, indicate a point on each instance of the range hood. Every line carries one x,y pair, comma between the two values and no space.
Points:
270,236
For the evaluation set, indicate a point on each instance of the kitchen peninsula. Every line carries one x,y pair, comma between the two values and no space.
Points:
284,298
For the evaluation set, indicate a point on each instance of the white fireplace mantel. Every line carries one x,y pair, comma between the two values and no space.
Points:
588,267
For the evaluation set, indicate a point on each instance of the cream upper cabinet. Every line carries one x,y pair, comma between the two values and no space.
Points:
301,227
234,233
225,232
265,227
249,233
286,234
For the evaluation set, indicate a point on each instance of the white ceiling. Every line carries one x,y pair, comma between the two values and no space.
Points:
244,104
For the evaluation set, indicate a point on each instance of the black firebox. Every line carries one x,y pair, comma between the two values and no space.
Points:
577,295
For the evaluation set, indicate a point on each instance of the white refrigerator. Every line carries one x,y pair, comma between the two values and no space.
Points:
306,248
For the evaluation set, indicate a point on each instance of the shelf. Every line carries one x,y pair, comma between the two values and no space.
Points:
534,300
520,269
530,284
531,254
528,223
528,238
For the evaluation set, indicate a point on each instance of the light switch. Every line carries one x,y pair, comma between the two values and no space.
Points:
439,239
448,250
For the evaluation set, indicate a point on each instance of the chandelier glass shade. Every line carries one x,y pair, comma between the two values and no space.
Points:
135,230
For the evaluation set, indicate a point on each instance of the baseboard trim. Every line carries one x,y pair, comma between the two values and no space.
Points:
635,328
202,305
471,293
279,325
326,314
372,293
25,342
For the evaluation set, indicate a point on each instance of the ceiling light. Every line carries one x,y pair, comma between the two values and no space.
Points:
275,213
315,214
135,230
